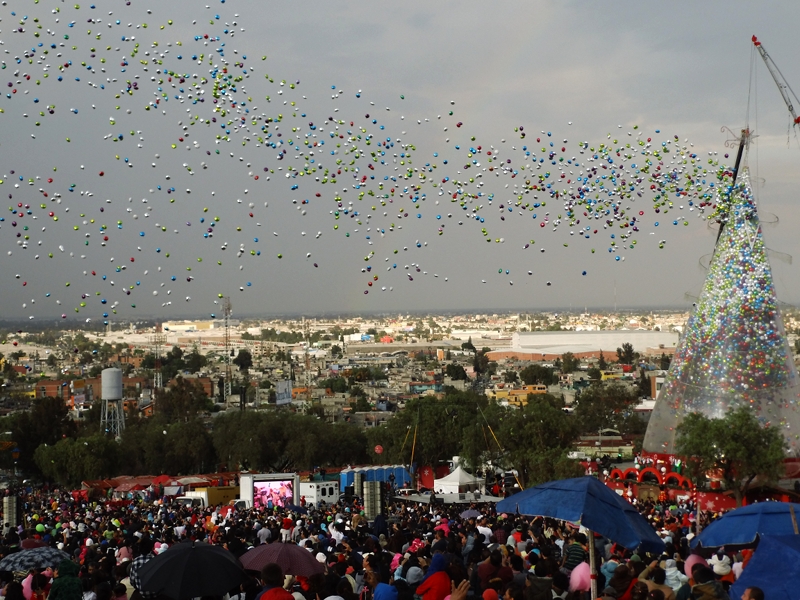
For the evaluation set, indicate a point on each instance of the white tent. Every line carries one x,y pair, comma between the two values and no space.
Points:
458,481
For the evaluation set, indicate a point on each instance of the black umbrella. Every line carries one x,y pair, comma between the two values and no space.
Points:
34,558
190,570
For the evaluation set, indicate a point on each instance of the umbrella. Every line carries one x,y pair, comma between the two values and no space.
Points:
190,570
595,505
470,513
301,510
742,526
293,559
34,558
591,502
775,568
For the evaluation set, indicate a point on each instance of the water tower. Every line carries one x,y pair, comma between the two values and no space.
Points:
112,417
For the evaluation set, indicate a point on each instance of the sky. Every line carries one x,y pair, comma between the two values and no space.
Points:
577,74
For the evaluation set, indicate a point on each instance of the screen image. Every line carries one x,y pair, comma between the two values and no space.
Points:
273,493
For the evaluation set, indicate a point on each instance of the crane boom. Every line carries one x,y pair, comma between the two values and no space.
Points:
783,86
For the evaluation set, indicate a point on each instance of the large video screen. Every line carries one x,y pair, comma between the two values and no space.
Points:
273,493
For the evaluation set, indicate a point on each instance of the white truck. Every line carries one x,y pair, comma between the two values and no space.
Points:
314,492
209,496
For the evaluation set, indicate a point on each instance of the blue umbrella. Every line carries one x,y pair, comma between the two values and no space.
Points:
775,568
591,502
302,510
742,526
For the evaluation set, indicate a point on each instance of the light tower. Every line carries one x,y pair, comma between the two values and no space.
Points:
112,416
307,371
157,340
226,313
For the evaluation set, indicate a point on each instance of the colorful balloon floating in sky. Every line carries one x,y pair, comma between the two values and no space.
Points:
164,158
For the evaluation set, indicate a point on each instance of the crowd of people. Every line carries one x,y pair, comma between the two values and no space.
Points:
412,551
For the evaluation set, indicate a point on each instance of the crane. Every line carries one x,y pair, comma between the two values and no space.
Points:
783,86
786,92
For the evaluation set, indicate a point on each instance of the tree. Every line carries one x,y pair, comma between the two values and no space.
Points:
537,374
736,447
626,355
46,422
195,361
569,364
456,372
510,377
607,406
361,404
643,384
601,362
336,351
537,439
243,360
468,346
595,374
183,400
338,385
71,461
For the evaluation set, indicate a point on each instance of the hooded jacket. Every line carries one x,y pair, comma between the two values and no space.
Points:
67,586
712,590
675,579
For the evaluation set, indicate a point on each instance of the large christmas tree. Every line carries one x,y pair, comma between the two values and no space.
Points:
734,351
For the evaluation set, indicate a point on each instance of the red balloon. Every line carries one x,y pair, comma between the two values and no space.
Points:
378,449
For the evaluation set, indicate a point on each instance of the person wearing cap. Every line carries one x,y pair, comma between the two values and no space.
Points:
674,578
721,564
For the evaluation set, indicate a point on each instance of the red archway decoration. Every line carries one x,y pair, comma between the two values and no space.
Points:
631,474
650,470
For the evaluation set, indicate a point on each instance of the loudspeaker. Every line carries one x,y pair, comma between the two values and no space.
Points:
372,499
358,484
11,511
349,491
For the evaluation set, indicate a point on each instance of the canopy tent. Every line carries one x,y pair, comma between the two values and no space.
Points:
458,481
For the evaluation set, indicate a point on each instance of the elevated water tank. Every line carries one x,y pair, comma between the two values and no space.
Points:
111,384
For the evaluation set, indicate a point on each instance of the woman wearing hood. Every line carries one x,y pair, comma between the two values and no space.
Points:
436,583
67,585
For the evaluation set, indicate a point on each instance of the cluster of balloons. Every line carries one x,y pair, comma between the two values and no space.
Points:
370,183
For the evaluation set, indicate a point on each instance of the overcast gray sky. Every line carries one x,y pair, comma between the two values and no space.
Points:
580,70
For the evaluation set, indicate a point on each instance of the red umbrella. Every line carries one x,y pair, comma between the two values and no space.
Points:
292,559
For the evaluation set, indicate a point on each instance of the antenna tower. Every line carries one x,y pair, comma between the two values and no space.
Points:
226,312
